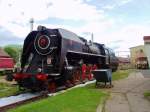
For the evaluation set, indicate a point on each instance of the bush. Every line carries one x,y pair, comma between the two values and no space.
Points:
2,73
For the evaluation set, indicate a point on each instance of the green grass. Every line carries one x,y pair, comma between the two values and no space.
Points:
147,94
83,99
120,74
8,90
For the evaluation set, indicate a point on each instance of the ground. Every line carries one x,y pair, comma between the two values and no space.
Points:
82,99
3,80
8,88
128,94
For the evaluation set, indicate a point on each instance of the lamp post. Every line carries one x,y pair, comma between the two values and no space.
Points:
31,24
92,37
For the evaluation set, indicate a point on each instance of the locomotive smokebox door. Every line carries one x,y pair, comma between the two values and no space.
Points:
103,75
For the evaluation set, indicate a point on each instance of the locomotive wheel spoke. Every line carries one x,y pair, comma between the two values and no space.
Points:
77,77
73,80
67,84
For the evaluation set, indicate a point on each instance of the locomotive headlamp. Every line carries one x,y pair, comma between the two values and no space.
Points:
39,70
49,60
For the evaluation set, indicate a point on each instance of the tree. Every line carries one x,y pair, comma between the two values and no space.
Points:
12,52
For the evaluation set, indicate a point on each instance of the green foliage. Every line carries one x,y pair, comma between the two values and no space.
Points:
14,51
83,99
2,73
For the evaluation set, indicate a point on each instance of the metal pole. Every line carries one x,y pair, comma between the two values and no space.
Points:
31,24
92,38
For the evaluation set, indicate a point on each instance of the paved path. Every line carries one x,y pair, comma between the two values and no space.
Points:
127,94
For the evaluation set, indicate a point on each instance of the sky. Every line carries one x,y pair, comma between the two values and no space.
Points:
119,24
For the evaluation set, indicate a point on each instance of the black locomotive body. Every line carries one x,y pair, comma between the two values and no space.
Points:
53,57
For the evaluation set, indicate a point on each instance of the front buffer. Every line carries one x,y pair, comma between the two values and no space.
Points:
36,82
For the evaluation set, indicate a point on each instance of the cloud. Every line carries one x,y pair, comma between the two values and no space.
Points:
123,2
7,37
130,35
17,30
115,4
22,11
109,7
15,14
74,10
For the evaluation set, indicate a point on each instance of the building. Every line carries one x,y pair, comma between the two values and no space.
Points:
147,47
124,62
137,52
6,62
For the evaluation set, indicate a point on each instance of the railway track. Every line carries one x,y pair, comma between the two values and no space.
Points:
14,101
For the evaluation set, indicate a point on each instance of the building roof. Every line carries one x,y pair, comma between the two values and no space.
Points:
123,60
136,46
3,53
146,38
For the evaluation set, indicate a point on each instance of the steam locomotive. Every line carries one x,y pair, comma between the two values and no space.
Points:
55,57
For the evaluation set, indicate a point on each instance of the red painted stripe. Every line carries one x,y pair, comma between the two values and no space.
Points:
146,38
